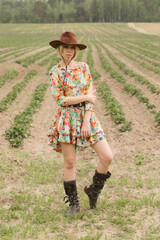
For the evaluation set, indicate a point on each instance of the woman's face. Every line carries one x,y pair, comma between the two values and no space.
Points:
68,52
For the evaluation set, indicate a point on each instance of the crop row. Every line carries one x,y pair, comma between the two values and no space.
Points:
20,128
139,78
11,96
95,74
2,59
141,57
145,46
33,58
143,51
141,54
129,54
47,60
80,55
129,88
114,107
14,55
8,77
7,50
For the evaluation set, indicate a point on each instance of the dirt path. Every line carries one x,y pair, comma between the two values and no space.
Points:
141,30
146,28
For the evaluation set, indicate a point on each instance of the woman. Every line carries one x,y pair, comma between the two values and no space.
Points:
75,125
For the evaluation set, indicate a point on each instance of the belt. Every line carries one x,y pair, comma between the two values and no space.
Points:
77,105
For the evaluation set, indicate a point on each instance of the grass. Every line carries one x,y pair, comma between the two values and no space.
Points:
31,195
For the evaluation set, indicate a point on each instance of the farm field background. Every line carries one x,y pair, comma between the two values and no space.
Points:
125,66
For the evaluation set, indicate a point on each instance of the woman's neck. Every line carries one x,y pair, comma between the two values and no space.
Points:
69,64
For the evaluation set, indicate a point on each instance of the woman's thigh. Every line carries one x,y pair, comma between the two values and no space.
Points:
69,153
103,150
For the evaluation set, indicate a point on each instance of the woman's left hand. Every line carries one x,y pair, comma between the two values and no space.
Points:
85,130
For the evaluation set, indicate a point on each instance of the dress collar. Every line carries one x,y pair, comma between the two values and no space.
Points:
76,66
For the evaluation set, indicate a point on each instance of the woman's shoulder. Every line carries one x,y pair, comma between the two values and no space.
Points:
54,69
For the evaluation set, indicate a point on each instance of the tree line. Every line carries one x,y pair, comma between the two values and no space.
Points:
63,11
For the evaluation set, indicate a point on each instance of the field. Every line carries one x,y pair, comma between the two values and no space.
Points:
125,66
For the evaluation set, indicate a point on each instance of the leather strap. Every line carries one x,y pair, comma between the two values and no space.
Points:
77,105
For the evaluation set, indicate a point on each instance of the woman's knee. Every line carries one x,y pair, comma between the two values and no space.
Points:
107,158
69,163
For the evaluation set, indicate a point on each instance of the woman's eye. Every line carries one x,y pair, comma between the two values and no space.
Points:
73,47
65,46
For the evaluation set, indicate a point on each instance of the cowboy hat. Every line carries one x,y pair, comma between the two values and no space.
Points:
67,38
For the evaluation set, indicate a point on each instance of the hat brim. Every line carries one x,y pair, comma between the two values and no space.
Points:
57,43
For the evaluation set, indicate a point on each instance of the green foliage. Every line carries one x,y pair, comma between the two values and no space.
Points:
8,77
115,109
129,88
95,74
54,11
157,117
131,73
31,59
55,61
11,96
47,60
19,129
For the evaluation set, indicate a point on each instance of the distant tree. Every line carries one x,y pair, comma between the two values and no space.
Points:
52,3
79,10
40,12
94,11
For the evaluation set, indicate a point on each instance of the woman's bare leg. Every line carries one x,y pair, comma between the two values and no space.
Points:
105,155
69,156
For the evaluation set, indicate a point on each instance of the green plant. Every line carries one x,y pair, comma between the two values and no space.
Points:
11,96
8,77
19,129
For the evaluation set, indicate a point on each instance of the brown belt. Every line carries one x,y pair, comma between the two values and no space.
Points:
77,105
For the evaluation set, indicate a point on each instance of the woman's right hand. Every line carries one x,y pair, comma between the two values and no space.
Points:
92,97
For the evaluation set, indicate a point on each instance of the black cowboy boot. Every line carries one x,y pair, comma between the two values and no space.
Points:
95,188
71,193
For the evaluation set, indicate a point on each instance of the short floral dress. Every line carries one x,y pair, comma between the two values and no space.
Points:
67,122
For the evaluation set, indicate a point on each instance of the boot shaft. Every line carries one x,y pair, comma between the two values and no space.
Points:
70,188
99,179
95,188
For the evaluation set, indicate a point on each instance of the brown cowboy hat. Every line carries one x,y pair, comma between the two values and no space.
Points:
67,38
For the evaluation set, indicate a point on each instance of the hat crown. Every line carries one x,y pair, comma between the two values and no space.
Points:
68,38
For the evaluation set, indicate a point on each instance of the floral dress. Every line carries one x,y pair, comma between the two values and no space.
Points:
67,122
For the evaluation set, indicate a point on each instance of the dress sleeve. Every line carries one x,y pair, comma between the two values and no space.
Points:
57,89
90,88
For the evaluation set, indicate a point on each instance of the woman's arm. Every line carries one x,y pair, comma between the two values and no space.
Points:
87,116
85,130
76,99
